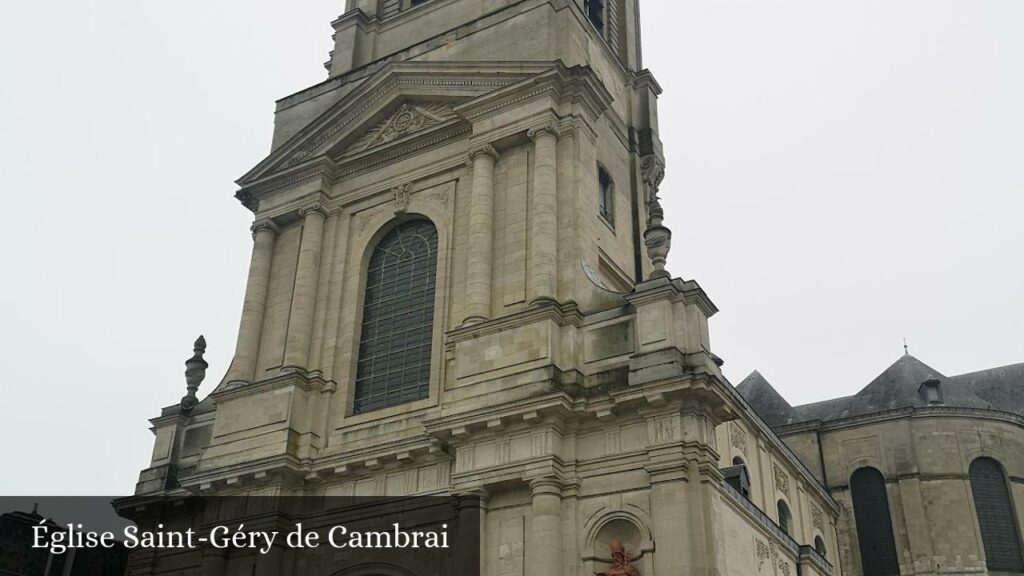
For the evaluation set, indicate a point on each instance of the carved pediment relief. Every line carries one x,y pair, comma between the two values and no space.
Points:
409,118
405,107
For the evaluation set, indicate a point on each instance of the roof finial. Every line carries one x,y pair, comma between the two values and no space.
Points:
906,347
195,372
657,238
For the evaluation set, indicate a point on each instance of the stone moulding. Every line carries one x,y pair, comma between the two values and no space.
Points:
417,80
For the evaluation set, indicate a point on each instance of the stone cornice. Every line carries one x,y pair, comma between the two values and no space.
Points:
563,85
293,379
645,79
454,428
677,290
248,472
422,79
329,171
561,314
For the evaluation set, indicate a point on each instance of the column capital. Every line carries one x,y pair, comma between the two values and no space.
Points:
546,128
264,224
547,485
473,498
314,208
484,150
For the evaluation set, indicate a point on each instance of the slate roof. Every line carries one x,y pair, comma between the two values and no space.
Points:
762,396
899,386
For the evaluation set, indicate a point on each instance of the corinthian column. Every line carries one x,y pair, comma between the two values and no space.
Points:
479,270
307,274
243,367
544,216
546,532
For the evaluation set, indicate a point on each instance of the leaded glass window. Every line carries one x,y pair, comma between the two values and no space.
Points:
996,518
398,318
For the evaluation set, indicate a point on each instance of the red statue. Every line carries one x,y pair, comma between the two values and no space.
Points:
621,561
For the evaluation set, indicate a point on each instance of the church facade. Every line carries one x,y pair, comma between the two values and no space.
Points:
457,287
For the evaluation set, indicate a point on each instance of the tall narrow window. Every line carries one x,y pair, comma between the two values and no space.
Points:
595,12
785,517
874,524
605,196
398,318
996,517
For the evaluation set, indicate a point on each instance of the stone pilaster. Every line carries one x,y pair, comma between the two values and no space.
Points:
543,284
546,532
243,367
269,564
214,562
327,264
300,325
479,270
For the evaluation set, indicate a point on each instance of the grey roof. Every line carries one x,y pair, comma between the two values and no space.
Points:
897,387
1002,388
762,396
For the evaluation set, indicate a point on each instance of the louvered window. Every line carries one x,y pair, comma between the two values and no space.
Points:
995,516
398,318
874,524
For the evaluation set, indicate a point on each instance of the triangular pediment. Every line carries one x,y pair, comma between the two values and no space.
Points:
399,101
407,120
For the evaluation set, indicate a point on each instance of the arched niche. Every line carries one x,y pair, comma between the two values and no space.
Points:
627,528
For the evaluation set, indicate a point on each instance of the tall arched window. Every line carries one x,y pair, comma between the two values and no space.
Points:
819,546
874,524
995,516
785,517
398,318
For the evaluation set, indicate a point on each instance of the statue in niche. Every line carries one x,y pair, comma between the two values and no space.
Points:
621,561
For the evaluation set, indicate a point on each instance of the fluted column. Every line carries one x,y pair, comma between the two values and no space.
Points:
544,216
479,270
243,367
546,523
307,274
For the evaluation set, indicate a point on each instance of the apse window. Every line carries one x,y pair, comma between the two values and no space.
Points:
605,196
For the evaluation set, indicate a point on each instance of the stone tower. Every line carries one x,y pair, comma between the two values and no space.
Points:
457,286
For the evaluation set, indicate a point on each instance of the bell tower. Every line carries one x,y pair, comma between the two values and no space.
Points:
457,285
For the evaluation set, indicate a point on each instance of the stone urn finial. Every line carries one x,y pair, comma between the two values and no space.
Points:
195,372
657,237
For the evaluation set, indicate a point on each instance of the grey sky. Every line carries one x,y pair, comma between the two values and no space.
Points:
841,175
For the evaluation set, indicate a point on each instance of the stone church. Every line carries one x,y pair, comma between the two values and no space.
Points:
457,288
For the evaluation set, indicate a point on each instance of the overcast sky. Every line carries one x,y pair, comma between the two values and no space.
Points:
840,175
